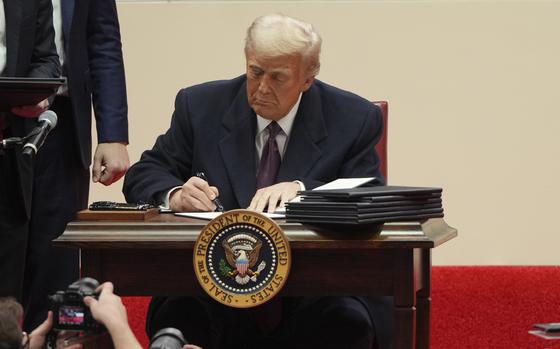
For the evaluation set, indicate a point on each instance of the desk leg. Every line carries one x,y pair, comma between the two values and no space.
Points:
423,323
405,299
405,318
423,302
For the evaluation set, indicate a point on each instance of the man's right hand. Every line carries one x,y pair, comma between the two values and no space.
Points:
194,195
108,309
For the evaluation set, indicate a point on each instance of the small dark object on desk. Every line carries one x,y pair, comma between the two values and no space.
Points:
118,206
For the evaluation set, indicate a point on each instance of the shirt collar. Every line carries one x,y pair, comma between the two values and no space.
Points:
285,123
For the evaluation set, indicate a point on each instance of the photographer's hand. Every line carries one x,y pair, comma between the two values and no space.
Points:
38,337
110,311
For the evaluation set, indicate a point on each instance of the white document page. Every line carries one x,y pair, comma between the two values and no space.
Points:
341,183
211,215
345,183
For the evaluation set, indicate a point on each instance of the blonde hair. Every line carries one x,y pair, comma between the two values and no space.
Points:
277,35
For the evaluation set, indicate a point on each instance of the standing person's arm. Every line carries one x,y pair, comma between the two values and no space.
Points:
110,311
44,61
110,160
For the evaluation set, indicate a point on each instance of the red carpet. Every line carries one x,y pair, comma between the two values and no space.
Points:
472,307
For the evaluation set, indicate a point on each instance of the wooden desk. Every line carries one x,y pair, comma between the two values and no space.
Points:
154,257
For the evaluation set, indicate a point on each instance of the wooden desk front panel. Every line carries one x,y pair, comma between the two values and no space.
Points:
320,272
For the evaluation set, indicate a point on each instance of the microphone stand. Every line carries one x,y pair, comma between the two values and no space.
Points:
12,142
8,143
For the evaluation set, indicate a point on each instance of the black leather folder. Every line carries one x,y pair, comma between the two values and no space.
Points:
366,205
359,220
363,206
372,199
368,192
360,211
16,92
344,215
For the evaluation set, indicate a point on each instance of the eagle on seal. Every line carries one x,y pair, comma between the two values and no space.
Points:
242,254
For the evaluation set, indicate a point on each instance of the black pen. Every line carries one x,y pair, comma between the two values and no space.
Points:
216,201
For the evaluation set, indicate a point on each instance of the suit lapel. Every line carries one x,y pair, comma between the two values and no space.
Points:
12,10
309,129
237,148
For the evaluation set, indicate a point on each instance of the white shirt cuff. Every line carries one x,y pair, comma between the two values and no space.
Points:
301,185
165,203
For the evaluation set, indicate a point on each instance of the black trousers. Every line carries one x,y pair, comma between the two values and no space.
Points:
324,322
13,225
60,189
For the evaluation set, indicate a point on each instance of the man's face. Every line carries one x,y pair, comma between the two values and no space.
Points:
274,84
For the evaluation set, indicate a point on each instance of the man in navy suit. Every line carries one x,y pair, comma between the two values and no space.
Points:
260,138
88,42
26,50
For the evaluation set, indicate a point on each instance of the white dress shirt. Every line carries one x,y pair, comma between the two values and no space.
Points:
2,37
57,24
282,138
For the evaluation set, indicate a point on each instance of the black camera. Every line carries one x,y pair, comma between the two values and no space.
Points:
168,338
69,310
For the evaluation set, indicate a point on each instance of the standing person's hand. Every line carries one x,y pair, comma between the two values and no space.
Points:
109,311
110,162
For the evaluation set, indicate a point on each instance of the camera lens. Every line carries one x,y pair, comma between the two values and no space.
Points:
168,338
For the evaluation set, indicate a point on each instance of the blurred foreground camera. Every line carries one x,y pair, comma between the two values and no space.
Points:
168,338
70,312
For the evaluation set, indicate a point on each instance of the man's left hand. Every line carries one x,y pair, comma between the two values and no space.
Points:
110,163
274,196
38,337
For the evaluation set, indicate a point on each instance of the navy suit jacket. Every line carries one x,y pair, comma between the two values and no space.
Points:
30,51
95,71
213,130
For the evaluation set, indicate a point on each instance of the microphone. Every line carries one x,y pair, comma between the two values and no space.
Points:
47,121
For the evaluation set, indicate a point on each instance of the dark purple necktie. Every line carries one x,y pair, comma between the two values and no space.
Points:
270,158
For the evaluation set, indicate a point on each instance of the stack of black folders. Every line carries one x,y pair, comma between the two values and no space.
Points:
366,205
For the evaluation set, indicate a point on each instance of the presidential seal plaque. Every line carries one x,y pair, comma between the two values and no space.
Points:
242,258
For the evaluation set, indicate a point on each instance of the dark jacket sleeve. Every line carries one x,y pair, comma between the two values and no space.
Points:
107,72
167,164
44,59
